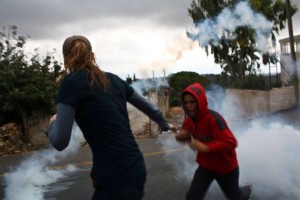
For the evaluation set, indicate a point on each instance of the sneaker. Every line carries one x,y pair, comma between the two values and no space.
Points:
248,190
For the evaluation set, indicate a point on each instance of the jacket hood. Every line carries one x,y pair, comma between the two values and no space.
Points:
198,92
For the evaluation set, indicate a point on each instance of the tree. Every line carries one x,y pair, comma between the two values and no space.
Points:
180,80
236,50
129,79
27,83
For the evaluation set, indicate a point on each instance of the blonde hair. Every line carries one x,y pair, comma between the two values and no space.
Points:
78,55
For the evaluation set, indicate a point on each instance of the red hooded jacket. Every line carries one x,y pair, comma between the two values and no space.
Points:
210,128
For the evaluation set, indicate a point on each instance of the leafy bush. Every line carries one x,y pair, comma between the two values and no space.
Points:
27,84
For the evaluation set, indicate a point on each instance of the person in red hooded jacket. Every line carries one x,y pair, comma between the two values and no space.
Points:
207,132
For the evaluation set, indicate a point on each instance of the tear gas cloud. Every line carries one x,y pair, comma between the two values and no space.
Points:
210,31
173,53
31,178
143,85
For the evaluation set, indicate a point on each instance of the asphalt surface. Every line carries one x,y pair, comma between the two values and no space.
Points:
161,182
164,182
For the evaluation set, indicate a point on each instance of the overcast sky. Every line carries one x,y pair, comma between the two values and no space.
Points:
141,37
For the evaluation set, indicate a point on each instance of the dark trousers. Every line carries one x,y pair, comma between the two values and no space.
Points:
229,183
133,191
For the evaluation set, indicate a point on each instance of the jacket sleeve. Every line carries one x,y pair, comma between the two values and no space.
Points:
149,109
60,129
223,138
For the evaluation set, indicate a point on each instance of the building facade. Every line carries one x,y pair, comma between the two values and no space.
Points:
287,65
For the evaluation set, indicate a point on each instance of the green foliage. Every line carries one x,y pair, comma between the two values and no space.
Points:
27,84
129,80
179,81
237,53
255,82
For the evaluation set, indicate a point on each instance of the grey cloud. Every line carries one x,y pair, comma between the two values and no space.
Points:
43,19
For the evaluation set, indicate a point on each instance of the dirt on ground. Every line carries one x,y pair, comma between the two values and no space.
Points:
12,140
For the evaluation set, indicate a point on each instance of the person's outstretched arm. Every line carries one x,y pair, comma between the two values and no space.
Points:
60,126
150,110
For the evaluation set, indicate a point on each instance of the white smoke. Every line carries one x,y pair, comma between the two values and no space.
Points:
210,31
183,161
268,154
30,179
174,52
143,85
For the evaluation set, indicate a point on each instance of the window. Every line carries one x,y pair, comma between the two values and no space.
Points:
286,49
297,47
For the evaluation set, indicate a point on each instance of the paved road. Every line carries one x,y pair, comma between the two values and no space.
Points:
164,182
76,186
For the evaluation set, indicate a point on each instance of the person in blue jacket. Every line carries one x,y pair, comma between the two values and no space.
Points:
97,101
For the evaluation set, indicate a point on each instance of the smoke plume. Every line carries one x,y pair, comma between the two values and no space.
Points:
173,53
210,31
30,179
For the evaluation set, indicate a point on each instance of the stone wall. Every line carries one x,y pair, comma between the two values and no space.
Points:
282,98
139,122
36,125
248,102
254,102
142,125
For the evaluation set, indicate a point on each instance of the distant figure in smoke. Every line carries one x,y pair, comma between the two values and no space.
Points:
208,133
97,101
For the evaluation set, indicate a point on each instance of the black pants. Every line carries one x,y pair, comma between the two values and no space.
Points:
134,191
229,183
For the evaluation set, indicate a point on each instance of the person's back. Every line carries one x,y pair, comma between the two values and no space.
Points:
98,103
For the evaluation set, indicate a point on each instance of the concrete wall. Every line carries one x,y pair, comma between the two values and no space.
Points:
248,102
254,102
282,98
141,124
